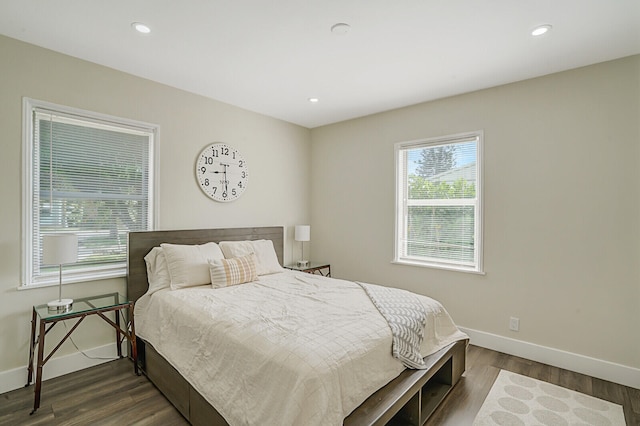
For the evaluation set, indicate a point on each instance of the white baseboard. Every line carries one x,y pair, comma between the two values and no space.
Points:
594,367
16,378
617,373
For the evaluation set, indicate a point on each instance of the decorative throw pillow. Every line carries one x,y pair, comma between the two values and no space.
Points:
189,264
239,270
157,271
266,258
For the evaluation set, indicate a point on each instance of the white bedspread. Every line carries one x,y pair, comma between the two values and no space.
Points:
288,349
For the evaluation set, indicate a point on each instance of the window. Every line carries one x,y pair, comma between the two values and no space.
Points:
439,202
87,174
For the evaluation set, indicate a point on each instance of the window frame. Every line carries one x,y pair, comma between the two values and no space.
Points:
30,279
402,204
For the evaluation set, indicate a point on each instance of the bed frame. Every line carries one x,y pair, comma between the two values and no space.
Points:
409,399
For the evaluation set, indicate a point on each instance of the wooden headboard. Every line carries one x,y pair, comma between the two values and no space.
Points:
140,243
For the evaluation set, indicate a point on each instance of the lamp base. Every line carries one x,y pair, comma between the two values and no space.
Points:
61,305
303,263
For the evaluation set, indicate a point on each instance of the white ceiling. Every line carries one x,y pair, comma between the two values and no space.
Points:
271,56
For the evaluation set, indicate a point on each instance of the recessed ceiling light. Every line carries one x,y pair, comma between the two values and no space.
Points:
141,28
314,100
341,28
540,29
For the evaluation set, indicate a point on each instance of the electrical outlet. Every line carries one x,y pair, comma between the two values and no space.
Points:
514,324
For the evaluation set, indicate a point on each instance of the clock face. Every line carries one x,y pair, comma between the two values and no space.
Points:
222,172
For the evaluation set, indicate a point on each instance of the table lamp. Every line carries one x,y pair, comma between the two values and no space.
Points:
302,234
59,249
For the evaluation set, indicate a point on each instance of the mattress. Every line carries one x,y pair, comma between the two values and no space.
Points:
288,349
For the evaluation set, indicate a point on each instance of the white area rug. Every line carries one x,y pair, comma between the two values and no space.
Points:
516,400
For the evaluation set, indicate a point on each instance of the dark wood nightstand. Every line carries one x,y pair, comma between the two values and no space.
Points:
317,268
83,307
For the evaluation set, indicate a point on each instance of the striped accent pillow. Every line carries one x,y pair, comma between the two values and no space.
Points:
238,270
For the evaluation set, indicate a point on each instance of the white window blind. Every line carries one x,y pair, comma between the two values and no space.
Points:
438,205
90,175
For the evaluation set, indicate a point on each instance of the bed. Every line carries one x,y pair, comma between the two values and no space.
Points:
408,398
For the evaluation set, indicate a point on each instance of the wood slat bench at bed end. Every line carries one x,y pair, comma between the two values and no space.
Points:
384,404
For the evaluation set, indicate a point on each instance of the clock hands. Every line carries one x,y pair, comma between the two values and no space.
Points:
226,182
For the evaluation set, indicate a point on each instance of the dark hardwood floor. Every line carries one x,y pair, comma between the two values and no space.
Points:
111,394
483,365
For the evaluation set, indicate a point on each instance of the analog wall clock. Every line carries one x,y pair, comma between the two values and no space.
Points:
222,172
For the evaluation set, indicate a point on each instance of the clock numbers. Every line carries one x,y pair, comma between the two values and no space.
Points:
222,172
221,151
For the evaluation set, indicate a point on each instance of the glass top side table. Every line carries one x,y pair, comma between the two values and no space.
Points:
318,268
44,320
82,305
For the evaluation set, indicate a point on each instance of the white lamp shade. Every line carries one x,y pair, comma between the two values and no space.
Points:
303,233
59,249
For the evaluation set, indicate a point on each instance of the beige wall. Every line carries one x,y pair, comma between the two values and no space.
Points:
278,155
561,206
562,195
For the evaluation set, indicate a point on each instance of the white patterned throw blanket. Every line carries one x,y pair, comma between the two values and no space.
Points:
406,317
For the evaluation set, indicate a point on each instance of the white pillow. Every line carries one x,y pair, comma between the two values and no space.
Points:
227,272
189,264
267,260
157,271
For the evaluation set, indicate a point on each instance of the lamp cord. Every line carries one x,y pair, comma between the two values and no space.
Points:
60,284
83,352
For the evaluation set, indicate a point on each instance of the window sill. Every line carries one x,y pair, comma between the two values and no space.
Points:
76,278
436,266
